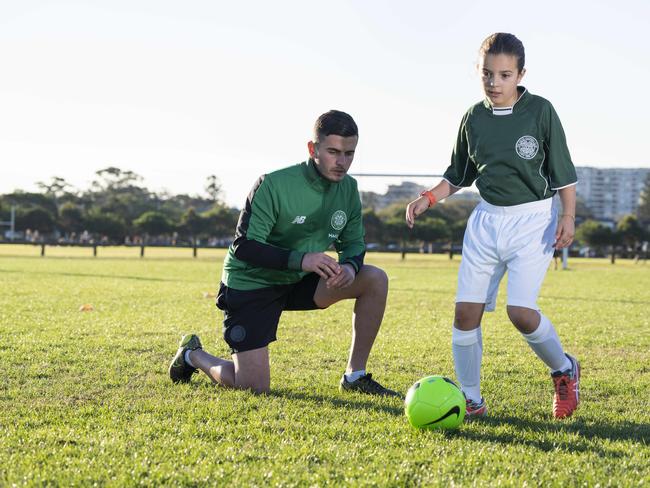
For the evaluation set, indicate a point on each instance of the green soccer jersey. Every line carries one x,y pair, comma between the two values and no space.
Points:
516,155
288,213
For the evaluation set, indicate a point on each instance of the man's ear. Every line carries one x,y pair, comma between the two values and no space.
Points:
311,147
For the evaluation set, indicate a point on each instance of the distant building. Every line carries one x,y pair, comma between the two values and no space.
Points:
611,193
404,192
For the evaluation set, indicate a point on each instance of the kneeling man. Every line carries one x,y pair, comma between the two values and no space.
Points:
277,262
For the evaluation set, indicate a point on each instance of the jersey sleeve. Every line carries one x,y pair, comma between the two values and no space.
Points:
350,246
561,172
255,224
462,171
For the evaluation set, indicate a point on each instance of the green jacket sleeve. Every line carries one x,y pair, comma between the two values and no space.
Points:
264,212
255,224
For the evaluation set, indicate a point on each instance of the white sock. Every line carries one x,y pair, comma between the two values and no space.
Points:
355,375
187,359
546,344
467,347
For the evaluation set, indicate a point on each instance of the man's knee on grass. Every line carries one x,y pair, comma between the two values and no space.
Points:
252,370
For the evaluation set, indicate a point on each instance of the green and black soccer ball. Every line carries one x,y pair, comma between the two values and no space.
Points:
435,402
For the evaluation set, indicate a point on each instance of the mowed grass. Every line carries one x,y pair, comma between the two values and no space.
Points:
85,397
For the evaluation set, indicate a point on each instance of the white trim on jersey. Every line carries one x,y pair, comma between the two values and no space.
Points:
502,110
455,186
546,182
507,110
565,186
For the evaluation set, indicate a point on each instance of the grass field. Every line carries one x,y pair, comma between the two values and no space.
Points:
85,397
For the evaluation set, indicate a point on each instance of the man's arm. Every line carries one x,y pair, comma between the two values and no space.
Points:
255,223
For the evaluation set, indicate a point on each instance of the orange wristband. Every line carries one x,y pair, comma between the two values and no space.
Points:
430,196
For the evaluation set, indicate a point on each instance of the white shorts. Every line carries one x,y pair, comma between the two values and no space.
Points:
518,239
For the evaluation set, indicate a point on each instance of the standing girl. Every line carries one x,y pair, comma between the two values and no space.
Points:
513,146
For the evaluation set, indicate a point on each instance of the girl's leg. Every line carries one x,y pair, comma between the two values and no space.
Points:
467,348
541,336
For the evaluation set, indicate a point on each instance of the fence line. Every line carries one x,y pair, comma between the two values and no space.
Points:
44,244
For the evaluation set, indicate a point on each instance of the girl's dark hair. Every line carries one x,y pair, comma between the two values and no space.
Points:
502,43
335,122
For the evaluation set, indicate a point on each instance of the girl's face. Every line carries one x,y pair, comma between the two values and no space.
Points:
500,77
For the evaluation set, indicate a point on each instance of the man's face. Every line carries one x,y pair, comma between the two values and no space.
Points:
333,155
500,76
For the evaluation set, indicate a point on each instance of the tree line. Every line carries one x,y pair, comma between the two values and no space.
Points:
118,208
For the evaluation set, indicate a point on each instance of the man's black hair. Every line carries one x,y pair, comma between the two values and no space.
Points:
335,123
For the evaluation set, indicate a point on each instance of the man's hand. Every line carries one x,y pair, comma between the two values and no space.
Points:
343,279
415,208
565,232
320,263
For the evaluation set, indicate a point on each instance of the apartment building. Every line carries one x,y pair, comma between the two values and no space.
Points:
611,193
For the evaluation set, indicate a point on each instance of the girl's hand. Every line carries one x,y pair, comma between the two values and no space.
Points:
565,232
416,208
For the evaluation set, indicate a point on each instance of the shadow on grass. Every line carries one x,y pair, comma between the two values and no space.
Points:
351,400
547,435
93,275
547,441
355,401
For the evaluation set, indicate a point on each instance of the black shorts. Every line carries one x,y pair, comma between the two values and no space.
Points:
251,316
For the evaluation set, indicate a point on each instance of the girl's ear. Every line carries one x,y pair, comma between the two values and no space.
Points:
521,75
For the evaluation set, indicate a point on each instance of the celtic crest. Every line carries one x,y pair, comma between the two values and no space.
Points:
527,147
339,219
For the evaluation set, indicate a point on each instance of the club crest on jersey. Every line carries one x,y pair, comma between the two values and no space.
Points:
339,219
527,147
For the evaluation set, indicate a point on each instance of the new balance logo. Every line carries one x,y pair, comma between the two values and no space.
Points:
300,219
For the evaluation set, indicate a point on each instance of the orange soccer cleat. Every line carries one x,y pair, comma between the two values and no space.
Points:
567,390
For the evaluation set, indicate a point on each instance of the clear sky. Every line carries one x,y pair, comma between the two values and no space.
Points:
176,91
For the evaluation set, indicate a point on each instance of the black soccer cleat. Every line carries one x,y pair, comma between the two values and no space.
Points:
366,384
179,370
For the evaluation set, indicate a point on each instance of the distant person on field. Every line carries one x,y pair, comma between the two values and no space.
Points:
278,262
513,145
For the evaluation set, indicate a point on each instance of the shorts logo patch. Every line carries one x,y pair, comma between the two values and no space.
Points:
527,147
339,219
237,333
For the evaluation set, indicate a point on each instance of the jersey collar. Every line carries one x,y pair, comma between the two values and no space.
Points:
523,97
314,177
